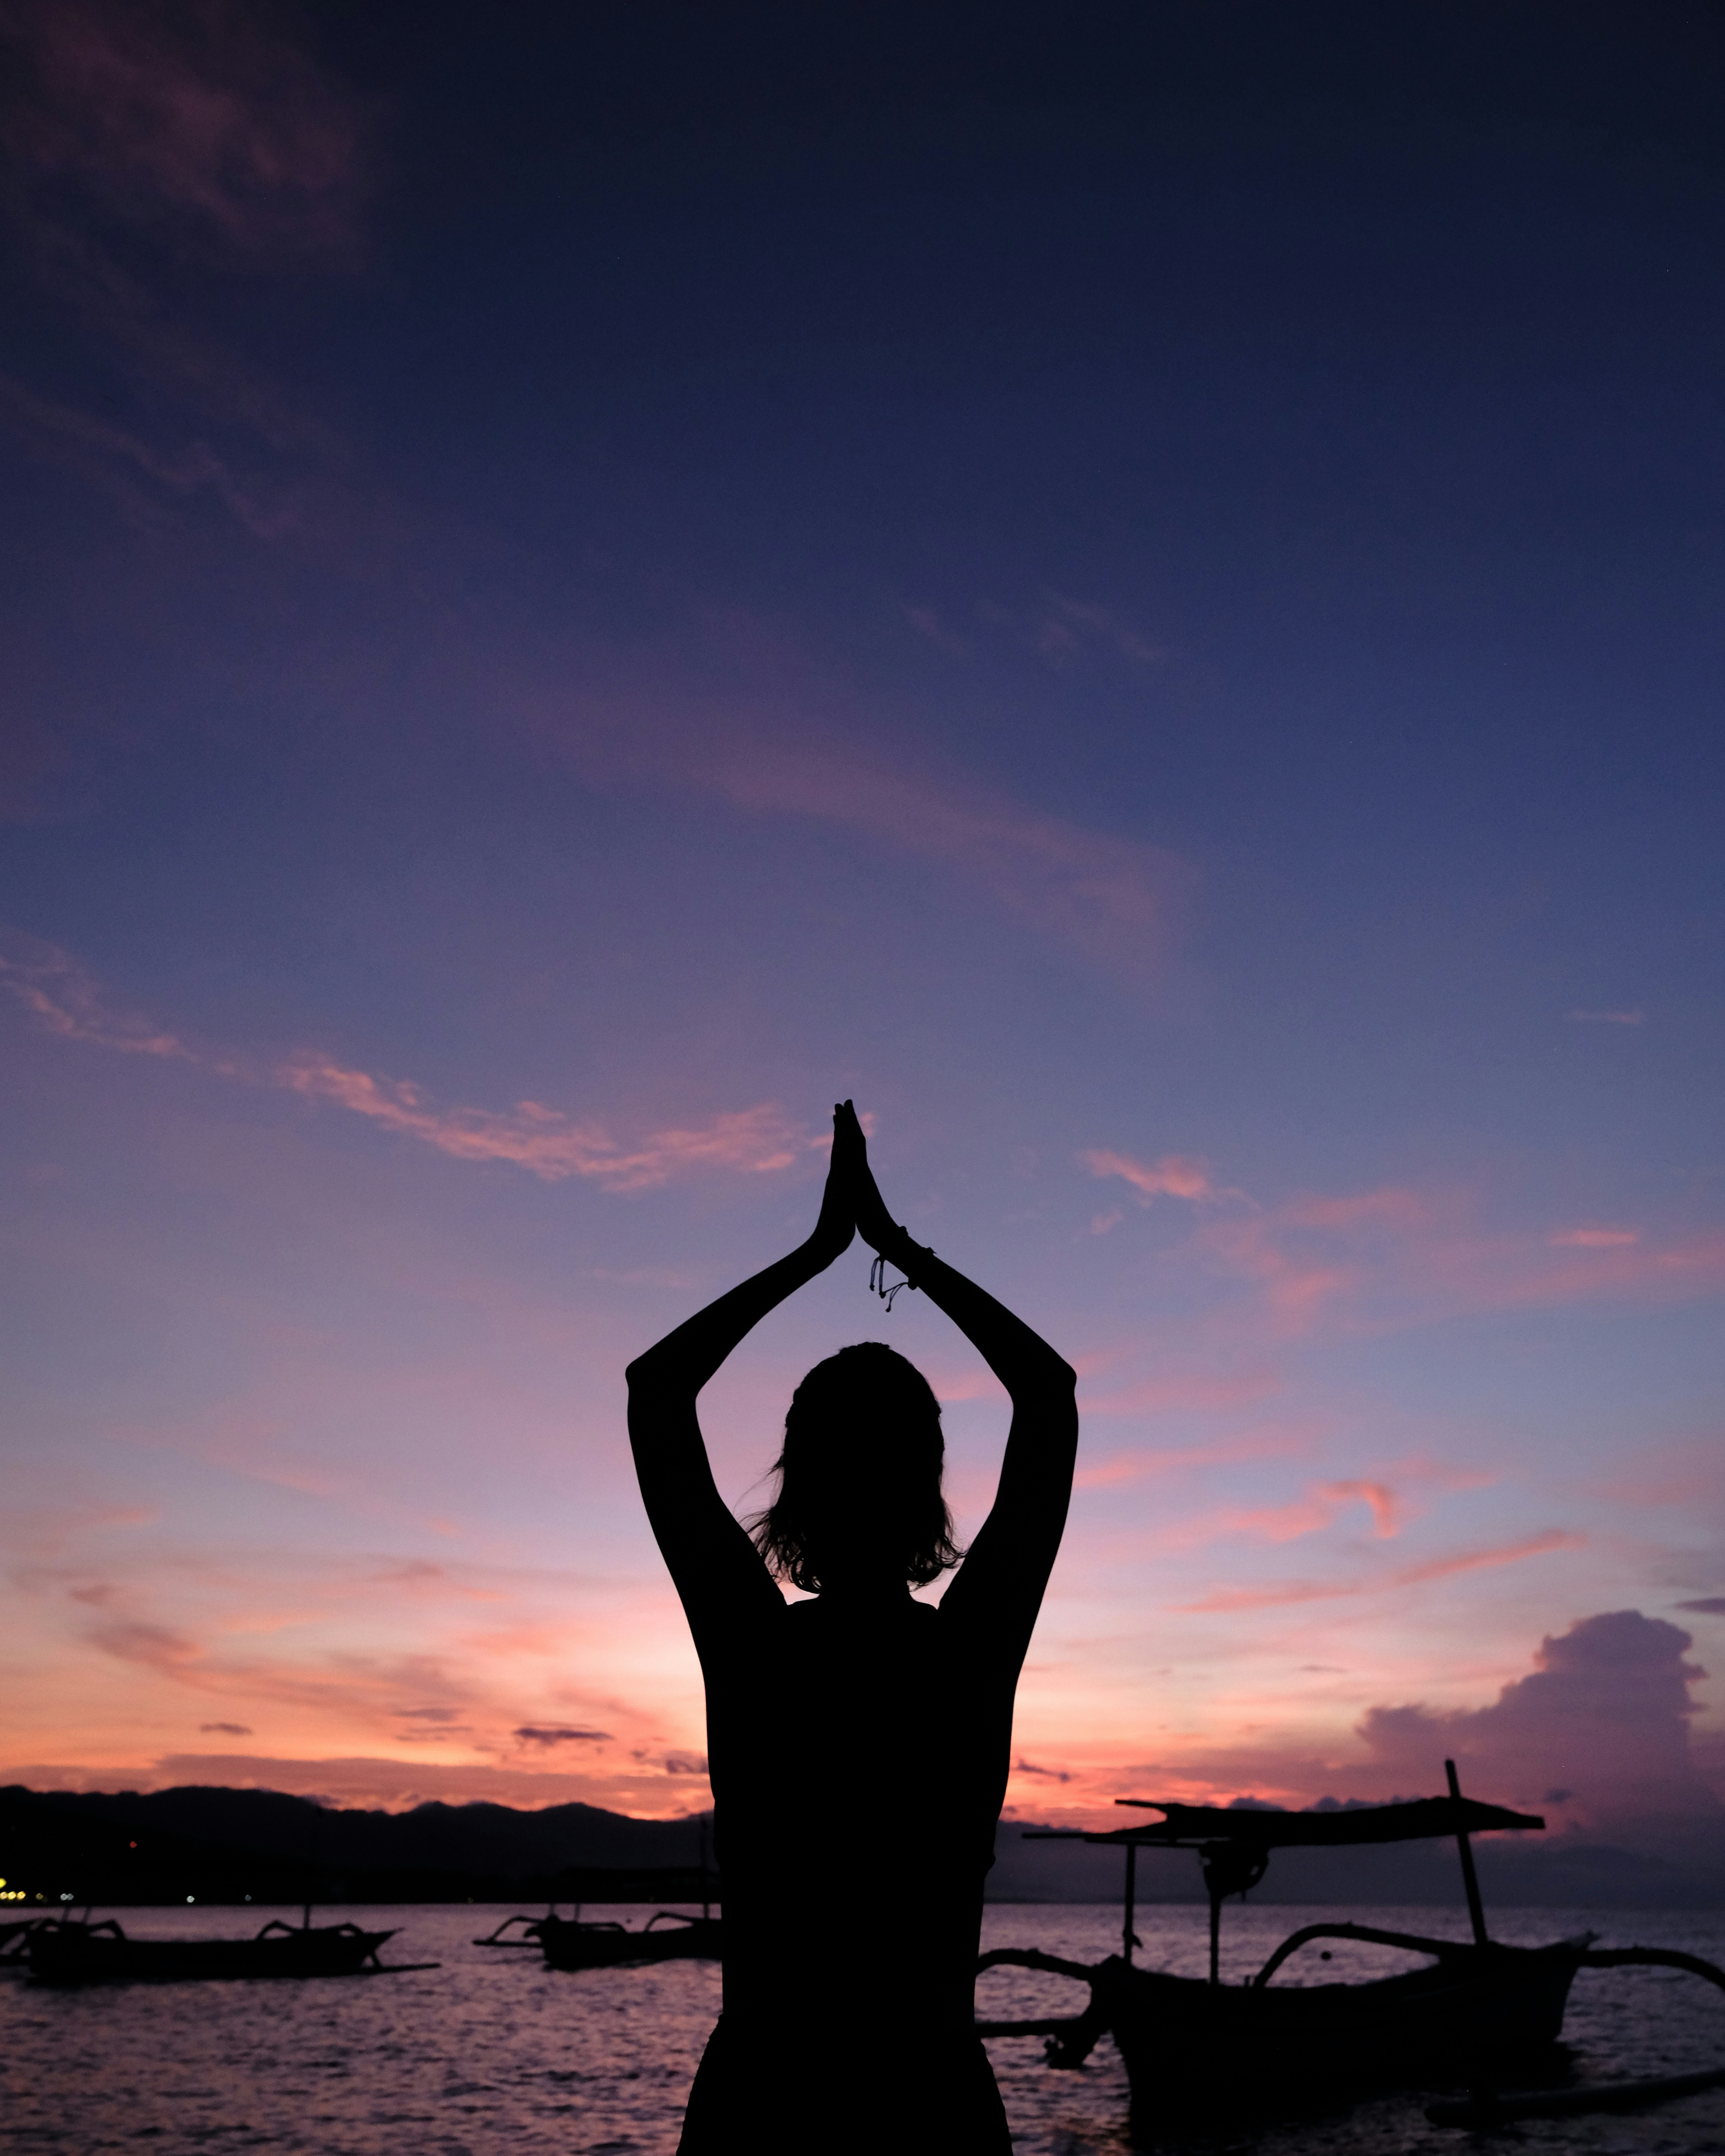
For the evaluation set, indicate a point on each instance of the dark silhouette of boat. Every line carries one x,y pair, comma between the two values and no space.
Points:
573,1942
70,1950
1190,2046
15,1940
569,1943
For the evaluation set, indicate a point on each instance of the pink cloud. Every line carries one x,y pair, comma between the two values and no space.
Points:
781,739
1108,895
1295,1285
205,113
1175,1392
1605,1017
1390,1208
384,1784
1175,1175
1365,1261
96,443
1320,1504
1444,1568
1597,1736
140,134
1689,1471
1505,1273
1603,1718
1139,1465
64,999
549,1144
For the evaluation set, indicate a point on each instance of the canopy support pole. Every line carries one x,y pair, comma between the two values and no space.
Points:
1128,1939
1470,1878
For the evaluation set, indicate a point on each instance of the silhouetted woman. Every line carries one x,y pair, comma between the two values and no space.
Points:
860,1742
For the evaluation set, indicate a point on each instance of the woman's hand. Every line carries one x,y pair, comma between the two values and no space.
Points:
879,1229
837,1223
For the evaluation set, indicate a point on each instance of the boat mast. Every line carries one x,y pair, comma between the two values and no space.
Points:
1470,1878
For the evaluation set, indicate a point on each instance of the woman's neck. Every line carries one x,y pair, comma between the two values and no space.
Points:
853,1590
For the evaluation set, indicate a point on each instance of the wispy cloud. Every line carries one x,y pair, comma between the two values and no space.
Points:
141,138
371,1783
1314,1511
926,622
1319,1507
63,998
206,113
1392,1256
549,1144
1034,1772
1185,1392
753,721
1289,1592
1062,627
116,455
1635,1017
1108,896
1175,1175
1144,1462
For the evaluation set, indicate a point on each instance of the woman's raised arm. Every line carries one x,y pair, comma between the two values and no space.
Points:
715,1565
1001,1581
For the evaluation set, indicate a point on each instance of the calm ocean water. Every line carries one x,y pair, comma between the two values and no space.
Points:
492,2055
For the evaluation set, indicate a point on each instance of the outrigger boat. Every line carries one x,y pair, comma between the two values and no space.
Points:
568,1943
579,1945
71,1950
1190,2044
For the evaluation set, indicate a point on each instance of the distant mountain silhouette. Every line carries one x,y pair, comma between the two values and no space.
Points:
221,1846
1515,1872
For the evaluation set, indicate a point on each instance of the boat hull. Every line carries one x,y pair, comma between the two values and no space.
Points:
569,1945
84,1953
1187,2044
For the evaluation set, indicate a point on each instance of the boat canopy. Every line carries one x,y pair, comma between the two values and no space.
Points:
1233,1843
1193,1826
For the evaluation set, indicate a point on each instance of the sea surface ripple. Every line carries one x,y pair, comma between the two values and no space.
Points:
493,2054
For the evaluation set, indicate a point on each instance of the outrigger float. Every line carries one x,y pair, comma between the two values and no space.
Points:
72,1950
1191,2046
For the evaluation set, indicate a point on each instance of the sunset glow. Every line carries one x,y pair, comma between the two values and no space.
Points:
530,675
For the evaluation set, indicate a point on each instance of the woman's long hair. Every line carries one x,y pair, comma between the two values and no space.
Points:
861,1466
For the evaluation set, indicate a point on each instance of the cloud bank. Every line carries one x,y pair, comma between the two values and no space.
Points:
1598,1733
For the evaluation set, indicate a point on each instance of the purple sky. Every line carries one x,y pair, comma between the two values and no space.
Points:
1139,591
